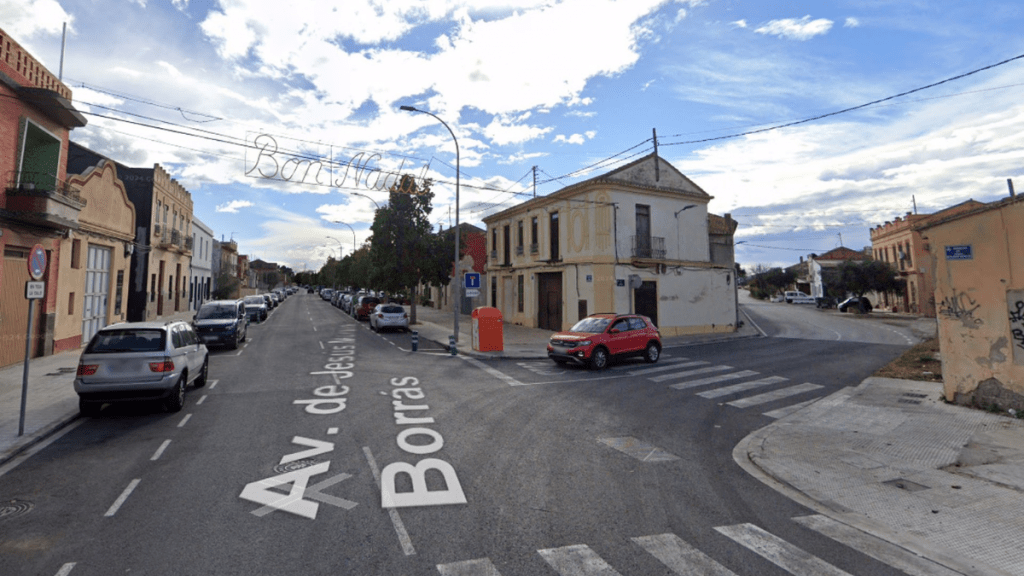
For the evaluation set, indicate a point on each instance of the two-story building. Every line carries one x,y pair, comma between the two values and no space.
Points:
635,239
159,279
37,205
201,266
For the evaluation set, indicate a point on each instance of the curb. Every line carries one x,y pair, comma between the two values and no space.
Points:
745,455
39,436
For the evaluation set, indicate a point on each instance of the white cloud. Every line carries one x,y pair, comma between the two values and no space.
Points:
802,29
574,139
740,23
26,18
233,206
851,22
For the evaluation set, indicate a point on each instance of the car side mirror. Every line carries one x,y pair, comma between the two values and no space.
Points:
614,331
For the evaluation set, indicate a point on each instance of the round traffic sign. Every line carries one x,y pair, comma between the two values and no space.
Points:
37,262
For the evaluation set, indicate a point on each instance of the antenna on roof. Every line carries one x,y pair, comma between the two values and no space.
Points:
657,166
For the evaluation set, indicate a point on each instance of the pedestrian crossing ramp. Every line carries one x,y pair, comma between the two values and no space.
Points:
682,558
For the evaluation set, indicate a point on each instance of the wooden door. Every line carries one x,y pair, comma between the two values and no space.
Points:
549,305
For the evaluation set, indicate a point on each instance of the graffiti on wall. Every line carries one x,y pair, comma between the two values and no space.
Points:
960,307
1015,306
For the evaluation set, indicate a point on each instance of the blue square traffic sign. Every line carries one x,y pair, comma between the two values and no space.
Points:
472,280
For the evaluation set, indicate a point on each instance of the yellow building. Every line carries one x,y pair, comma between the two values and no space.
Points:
636,239
978,262
93,288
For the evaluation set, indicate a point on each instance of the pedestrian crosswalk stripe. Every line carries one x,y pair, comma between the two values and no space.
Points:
479,567
672,366
773,395
876,548
787,410
680,557
779,552
697,372
578,560
741,387
713,379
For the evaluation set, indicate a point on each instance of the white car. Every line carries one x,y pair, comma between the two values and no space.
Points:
389,316
798,297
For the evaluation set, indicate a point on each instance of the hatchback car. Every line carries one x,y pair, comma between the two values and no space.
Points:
600,337
365,305
256,308
135,361
389,316
222,322
855,304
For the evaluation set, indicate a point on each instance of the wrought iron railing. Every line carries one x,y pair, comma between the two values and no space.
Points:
648,247
29,182
176,237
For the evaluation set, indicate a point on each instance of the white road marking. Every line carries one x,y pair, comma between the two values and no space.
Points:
670,366
877,548
717,392
66,569
787,410
159,451
332,430
183,420
124,496
314,328
714,379
773,395
396,520
13,463
578,560
201,400
478,567
321,344
779,552
497,374
688,373
680,557
213,383
754,324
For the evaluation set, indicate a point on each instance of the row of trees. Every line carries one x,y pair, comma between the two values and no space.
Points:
855,278
402,253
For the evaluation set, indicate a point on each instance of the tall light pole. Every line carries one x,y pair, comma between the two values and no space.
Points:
340,251
367,197
353,233
457,304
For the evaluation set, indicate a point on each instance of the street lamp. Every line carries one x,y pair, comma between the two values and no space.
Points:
368,198
457,304
353,232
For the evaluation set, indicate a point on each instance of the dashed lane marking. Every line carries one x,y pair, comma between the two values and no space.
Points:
160,451
124,496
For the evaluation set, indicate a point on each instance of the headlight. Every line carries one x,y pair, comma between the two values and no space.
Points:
584,343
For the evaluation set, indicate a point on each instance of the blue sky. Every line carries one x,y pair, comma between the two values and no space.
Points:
561,85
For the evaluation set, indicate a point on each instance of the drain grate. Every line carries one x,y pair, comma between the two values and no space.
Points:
915,395
905,485
295,465
908,401
14,508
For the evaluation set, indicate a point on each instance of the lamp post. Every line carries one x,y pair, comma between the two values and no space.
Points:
368,198
353,232
340,251
457,304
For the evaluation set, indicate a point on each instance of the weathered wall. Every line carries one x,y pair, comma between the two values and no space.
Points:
980,303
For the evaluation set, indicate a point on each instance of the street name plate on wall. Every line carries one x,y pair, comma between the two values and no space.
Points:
35,290
959,253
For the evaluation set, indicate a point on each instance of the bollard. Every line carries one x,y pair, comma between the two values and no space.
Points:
415,340
451,345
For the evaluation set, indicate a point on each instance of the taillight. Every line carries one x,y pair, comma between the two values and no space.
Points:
87,369
380,315
166,366
405,315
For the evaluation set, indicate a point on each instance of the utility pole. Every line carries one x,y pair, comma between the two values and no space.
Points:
534,181
657,166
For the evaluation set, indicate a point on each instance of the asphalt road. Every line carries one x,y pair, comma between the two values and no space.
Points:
324,448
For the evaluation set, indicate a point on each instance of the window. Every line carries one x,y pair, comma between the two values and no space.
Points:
71,303
910,262
507,246
533,235
554,237
621,325
117,295
520,242
637,323
643,231
494,239
152,289
520,293
76,253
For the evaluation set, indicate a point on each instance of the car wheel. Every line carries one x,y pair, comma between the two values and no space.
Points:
176,401
245,335
652,353
89,408
599,359
234,344
203,372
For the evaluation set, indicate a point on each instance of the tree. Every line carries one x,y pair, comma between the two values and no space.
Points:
227,287
767,282
860,277
404,251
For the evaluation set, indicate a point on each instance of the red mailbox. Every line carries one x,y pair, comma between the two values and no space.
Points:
487,330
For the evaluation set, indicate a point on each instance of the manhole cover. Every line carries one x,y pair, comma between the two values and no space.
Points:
14,508
905,485
293,466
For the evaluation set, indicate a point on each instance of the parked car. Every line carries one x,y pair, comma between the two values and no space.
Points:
597,338
854,304
268,300
326,293
346,303
134,361
277,299
365,306
336,299
222,323
256,308
798,297
389,316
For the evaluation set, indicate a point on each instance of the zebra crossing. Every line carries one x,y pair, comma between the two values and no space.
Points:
684,559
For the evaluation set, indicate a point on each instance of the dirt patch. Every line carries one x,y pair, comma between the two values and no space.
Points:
922,362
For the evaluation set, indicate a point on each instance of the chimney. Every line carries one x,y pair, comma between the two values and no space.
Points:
1009,182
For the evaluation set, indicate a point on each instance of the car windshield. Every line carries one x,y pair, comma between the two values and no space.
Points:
217,312
590,325
127,340
392,309
257,300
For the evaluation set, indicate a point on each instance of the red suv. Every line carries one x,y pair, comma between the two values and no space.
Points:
365,306
599,337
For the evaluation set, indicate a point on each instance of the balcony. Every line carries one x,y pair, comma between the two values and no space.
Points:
494,254
534,248
42,199
648,247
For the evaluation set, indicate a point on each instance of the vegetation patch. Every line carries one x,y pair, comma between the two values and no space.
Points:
922,362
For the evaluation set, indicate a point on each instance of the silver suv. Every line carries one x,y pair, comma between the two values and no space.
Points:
135,361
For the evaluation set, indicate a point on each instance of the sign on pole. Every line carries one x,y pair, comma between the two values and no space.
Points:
35,290
472,280
37,262
472,292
